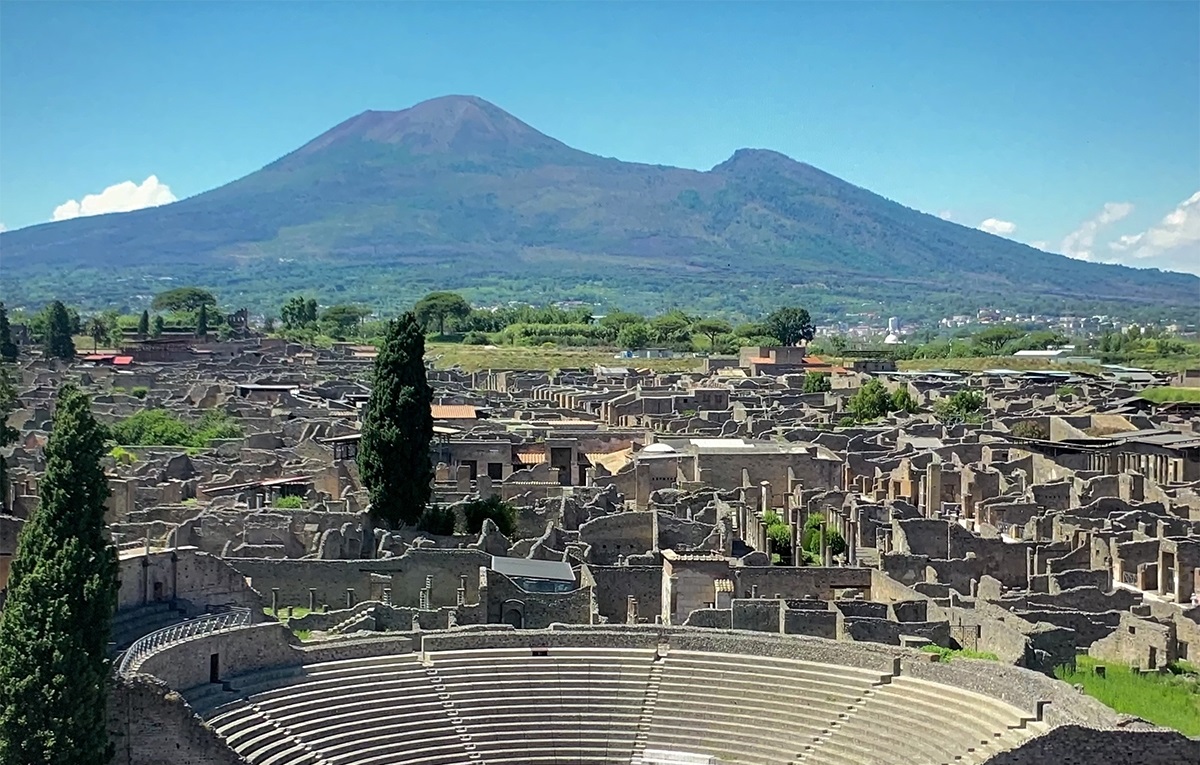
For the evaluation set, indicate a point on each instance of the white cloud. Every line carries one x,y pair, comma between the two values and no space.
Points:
997,226
1174,241
121,197
1080,242
3,228
1040,245
946,215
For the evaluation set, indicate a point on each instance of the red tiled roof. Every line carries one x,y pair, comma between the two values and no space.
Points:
122,360
453,412
529,456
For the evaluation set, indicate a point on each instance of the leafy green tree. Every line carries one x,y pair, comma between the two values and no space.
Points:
780,534
790,325
903,401
62,592
618,320
992,340
8,349
503,514
143,328
817,382
965,406
870,402
712,328
59,344
159,326
634,336
183,299
437,307
398,426
202,322
342,320
98,331
672,328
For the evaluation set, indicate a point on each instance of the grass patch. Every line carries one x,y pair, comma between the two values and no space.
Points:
476,357
297,612
1164,395
1170,699
946,655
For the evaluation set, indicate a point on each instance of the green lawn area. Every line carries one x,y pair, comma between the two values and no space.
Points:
1163,395
949,654
476,357
1168,699
297,612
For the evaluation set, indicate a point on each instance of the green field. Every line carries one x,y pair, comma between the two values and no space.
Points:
1163,395
1169,699
476,357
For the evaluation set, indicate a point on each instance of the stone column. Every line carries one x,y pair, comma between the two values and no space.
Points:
349,597
312,598
275,601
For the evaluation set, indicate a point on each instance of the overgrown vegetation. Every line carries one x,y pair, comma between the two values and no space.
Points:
1167,394
503,514
811,539
949,654
1171,699
158,427
288,503
964,406
437,520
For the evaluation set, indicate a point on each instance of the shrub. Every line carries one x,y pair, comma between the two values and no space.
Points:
1029,429
502,514
122,456
289,503
475,338
780,534
158,427
140,391
949,654
816,382
437,520
1066,391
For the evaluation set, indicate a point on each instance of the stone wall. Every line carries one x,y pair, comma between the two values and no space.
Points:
1076,745
614,584
150,724
187,574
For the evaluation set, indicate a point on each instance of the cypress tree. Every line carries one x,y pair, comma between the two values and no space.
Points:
59,344
144,325
397,427
62,591
8,349
159,326
202,322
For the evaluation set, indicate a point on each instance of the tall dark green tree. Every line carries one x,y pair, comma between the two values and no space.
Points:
437,307
143,329
8,349
397,427
158,326
202,322
62,591
59,344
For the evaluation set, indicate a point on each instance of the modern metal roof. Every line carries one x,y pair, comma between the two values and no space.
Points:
527,568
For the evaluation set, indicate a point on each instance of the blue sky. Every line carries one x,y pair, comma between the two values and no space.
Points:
1065,124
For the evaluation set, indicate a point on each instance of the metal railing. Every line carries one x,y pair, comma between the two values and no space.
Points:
203,625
